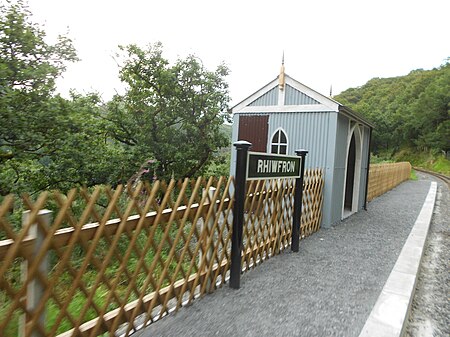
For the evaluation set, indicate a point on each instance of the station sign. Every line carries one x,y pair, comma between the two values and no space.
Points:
272,166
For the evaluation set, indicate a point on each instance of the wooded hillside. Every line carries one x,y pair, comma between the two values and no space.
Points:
411,111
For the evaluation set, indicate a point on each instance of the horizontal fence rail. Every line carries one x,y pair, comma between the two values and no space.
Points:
107,260
384,177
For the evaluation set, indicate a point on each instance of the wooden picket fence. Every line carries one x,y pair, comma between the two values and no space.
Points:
111,261
384,177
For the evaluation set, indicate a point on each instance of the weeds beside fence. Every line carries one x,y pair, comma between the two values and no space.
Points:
113,260
384,177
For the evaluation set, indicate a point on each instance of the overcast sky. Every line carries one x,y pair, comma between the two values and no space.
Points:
326,42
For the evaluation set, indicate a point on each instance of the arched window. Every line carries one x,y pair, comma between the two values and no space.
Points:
279,143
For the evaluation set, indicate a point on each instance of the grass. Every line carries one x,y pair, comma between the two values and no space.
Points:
429,160
441,165
78,300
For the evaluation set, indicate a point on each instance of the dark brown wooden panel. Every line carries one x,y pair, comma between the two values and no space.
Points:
254,130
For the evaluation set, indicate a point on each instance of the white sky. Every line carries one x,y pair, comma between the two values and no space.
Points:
326,42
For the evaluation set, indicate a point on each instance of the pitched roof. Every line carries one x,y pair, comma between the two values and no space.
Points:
293,97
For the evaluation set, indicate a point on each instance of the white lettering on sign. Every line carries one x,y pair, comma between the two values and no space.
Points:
275,166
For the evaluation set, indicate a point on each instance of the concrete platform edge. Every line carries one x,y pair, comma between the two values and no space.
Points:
390,313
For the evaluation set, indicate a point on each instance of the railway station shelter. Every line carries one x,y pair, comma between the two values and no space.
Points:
286,115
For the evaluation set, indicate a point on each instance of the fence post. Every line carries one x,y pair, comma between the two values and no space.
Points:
242,148
208,226
35,288
298,198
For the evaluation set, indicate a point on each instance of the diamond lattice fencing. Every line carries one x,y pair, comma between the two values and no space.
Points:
106,260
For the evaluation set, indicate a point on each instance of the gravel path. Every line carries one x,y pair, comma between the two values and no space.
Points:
430,313
327,289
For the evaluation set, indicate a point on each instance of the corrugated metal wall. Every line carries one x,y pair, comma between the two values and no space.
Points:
308,131
295,97
234,137
268,99
340,161
315,132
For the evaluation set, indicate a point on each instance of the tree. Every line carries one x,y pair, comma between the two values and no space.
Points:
28,69
82,154
168,123
45,141
170,116
433,111
78,152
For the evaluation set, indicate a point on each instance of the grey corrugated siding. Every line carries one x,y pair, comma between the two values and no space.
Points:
340,161
308,131
234,137
268,99
295,97
315,132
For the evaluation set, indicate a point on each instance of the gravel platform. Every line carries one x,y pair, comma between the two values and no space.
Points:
430,312
327,289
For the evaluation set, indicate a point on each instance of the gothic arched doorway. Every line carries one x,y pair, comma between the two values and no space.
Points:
352,172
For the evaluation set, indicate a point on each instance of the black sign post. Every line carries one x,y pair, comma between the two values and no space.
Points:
298,196
238,212
253,166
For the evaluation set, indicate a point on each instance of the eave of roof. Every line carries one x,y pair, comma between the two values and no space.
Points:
352,114
248,97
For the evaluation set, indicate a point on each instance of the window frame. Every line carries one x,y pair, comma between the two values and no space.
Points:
278,143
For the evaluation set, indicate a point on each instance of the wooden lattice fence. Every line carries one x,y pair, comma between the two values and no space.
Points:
114,260
384,177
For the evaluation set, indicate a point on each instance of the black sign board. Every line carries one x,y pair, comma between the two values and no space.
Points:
271,166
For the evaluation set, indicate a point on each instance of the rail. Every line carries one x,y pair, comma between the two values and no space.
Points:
443,177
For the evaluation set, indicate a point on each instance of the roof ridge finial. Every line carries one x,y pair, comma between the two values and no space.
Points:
281,79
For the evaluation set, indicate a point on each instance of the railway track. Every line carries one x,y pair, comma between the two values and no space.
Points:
443,177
